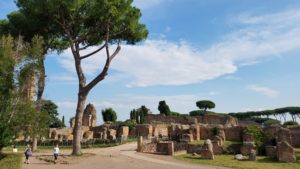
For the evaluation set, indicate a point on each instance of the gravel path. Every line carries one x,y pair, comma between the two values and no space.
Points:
119,157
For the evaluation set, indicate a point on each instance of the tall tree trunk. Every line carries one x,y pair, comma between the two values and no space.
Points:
41,87
78,124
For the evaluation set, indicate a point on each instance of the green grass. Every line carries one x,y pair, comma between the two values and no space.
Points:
229,161
10,161
226,143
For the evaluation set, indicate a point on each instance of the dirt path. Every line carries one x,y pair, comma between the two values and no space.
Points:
120,157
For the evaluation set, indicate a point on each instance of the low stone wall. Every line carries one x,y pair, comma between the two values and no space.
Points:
295,132
149,148
180,146
194,148
166,148
161,118
226,120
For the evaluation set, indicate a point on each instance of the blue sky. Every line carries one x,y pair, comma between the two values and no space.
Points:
242,54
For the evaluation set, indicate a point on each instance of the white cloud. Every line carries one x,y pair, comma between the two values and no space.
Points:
263,90
161,62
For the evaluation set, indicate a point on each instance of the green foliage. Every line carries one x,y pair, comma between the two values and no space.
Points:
258,136
5,135
290,123
175,113
30,121
130,123
51,108
294,112
88,20
164,108
270,122
138,115
215,131
7,88
109,115
205,104
63,120
10,161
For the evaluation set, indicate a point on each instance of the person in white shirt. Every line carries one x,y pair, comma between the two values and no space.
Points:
55,153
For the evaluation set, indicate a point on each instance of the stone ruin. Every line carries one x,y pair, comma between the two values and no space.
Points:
89,130
89,116
172,134
207,150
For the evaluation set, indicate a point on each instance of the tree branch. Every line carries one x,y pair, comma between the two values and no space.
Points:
92,53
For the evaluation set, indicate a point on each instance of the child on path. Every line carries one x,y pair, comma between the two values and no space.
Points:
27,154
55,153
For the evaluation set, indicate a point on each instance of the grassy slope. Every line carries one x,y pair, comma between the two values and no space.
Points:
10,161
229,161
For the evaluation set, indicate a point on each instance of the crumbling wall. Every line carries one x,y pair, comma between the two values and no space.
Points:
234,133
226,120
89,116
295,132
161,118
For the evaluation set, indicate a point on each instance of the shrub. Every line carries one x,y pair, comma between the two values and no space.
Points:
109,115
290,123
258,136
215,130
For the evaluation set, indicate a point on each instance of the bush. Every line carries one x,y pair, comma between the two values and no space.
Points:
270,122
258,136
130,123
215,130
290,123
175,114
109,115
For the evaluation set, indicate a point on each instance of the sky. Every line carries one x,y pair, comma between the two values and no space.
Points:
241,54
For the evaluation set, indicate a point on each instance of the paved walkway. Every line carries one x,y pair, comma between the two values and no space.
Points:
120,157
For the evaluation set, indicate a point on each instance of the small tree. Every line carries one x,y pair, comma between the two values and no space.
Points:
109,115
164,108
205,104
63,120
51,108
290,123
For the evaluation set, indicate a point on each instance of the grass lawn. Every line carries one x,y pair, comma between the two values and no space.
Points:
10,161
229,161
226,143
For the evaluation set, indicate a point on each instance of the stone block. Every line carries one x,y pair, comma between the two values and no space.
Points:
285,152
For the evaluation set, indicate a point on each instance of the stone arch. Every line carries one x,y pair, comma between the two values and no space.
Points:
89,116
53,134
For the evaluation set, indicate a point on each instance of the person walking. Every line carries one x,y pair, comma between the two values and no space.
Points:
55,153
27,154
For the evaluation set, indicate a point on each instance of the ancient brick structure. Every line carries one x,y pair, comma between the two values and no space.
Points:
225,120
285,152
161,118
145,130
271,151
89,116
284,134
234,133
160,130
295,136
207,150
